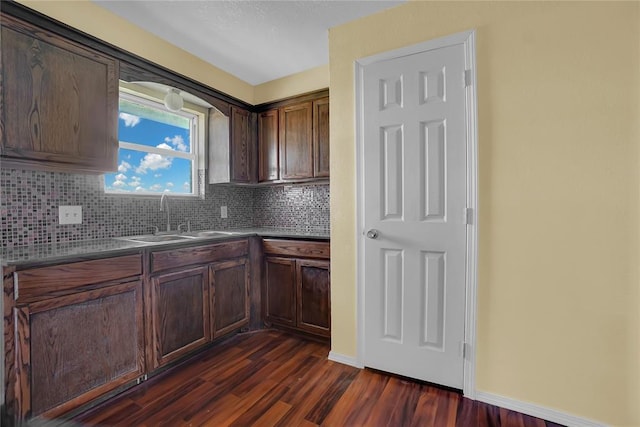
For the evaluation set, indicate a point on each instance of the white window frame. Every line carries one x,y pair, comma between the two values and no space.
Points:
196,143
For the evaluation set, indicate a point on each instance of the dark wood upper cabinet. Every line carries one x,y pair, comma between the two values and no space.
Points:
59,101
229,296
296,140
240,145
268,165
293,139
321,138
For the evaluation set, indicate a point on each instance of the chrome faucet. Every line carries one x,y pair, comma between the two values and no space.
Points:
164,204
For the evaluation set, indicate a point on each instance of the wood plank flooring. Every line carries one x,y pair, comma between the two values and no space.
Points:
271,378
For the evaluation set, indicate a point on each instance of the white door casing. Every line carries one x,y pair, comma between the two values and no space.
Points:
417,189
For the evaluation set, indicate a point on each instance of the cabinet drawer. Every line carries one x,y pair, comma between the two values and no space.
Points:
59,279
172,258
297,248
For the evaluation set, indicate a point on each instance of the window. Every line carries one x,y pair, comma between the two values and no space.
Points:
158,149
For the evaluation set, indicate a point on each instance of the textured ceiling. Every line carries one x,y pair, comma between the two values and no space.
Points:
256,41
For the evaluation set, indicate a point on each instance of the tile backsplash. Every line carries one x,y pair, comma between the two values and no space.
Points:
299,207
29,203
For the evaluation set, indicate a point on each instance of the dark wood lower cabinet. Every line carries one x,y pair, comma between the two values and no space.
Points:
280,290
313,296
77,347
180,312
229,296
79,332
297,285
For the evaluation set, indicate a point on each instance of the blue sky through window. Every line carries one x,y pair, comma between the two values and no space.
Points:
165,139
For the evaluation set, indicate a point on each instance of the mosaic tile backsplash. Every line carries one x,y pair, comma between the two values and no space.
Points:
29,203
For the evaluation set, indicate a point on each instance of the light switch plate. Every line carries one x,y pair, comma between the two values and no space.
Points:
70,214
223,211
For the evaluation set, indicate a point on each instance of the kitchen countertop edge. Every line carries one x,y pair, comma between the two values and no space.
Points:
82,250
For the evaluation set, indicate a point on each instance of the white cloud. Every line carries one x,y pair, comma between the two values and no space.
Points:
165,146
129,119
178,142
169,184
135,181
117,183
139,188
157,175
155,187
152,161
121,177
186,185
124,166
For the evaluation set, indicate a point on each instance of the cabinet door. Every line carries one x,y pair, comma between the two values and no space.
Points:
268,146
321,138
240,146
59,101
280,304
296,154
75,348
229,296
180,313
313,285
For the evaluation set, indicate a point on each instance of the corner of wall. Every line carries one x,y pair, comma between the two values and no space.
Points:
294,84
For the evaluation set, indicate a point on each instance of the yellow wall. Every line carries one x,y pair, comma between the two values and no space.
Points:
295,84
101,23
559,284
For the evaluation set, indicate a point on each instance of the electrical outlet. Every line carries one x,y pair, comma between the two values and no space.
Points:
70,214
223,211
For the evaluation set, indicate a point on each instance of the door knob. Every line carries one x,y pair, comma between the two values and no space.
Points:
373,233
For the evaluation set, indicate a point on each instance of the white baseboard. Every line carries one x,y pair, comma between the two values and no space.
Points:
536,411
345,360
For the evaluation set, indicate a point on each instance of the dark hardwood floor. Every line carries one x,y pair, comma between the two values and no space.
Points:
271,378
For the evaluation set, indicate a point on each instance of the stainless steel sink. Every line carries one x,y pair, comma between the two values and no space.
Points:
168,238
213,233
158,238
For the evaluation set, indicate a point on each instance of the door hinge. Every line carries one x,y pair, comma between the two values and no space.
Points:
468,216
15,285
468,78
141,379
464,349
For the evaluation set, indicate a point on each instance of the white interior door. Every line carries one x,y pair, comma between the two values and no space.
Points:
414,202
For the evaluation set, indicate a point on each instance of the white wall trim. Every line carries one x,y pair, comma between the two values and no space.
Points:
345,360
471,97
538,411
467,39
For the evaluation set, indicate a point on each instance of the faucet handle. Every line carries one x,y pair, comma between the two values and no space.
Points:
188,224
156,230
